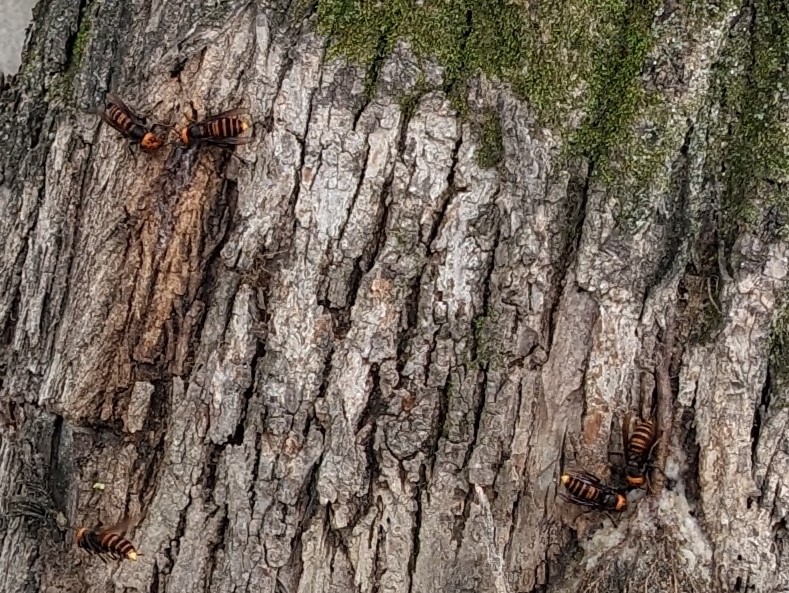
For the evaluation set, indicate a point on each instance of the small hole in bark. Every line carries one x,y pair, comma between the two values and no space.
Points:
238,436
267,124
179,67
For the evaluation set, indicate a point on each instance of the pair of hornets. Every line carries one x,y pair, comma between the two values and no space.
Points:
588,490
224,129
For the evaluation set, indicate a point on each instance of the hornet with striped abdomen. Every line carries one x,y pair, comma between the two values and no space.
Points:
587,490
224,129
639,449
130,125
107,542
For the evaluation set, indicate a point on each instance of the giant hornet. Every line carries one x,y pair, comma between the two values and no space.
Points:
107,542
587,490
639,447
224,129
130,125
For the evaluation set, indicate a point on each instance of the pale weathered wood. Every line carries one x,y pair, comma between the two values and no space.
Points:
353,358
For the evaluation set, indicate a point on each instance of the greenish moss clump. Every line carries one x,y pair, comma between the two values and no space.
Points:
752,86
586,57
562,56
62,87
545,49
410,101
81,41
491,147
489,349
617,95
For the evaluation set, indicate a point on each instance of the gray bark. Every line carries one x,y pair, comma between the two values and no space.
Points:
353,359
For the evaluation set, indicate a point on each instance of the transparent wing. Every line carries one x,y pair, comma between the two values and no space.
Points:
118,528
113,98
229,141
626,422
230,113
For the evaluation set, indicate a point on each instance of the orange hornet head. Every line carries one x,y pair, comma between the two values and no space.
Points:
184,135
79,533
564,479
151,142
636,481
621,503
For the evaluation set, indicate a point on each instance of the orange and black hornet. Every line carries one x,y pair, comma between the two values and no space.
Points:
587,490
130,125
639,447
223,129
107,542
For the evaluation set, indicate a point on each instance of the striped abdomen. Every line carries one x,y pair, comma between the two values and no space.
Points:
224,127
581,489
124,123
641,440
587,490
106,544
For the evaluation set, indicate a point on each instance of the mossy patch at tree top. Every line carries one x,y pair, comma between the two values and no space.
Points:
752,139
491,148
562,57
580,65
62,86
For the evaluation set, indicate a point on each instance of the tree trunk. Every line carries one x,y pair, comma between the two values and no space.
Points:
357,355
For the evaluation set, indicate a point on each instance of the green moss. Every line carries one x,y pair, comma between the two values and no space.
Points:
752,86
563,56
301,10
218,12
410,101
545,49
489,349
625,135
632,168
80,42
491,147
582,61
61,87
617,95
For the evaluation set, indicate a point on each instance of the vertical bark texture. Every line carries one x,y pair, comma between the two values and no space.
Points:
356,357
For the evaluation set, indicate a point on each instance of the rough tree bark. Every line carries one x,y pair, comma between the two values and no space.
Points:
355,358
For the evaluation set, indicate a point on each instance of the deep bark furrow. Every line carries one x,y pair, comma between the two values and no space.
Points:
664,409
415,535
